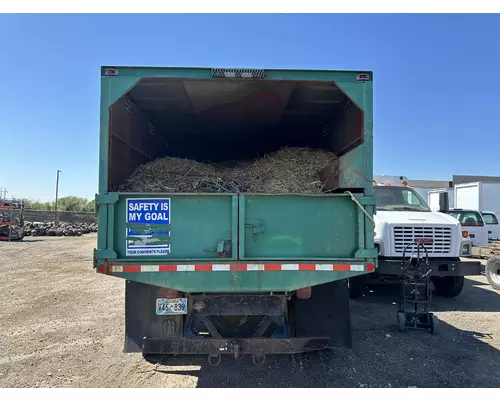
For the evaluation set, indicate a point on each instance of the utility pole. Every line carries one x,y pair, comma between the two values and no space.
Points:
57,193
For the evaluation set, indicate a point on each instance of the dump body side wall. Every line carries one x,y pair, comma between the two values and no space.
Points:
358,162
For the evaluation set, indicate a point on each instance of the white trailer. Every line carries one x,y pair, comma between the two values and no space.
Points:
433,198
481,196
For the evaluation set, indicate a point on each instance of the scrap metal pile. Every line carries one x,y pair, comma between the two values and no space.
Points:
289,170
58,229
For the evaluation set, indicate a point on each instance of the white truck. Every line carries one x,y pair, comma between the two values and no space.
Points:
433,198
492,224
474,223
485,198
402,218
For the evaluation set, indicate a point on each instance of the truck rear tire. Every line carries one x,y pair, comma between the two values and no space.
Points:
448,286
492,272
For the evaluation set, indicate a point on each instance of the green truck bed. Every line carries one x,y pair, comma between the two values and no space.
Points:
234,242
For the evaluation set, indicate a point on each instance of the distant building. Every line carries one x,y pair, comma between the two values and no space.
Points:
458,179
429,184
422,186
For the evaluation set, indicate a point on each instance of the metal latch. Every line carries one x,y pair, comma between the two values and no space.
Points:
224,248
254,228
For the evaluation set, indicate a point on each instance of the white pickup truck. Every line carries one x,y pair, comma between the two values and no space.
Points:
402,218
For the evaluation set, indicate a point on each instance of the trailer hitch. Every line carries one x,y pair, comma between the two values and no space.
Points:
236,348
258,359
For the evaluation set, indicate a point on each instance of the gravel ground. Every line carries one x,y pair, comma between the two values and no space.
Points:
61,325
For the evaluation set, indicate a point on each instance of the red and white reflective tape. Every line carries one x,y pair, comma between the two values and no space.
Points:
236,267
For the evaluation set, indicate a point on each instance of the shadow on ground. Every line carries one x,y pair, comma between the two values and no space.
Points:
476,296
24,241
381,356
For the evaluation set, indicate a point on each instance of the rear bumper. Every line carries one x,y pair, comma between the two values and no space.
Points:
215,347
440,267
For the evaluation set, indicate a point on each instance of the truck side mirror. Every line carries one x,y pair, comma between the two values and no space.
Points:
444,204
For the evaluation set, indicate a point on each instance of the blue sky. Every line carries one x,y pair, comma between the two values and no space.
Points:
436,82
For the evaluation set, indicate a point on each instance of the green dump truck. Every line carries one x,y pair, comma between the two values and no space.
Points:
235,273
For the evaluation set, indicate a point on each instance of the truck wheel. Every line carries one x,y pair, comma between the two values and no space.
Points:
356,286
492,271
448,286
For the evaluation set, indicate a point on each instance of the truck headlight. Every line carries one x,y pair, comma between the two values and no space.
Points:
466,249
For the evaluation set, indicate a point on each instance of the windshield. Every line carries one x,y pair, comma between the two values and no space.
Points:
398,198
467,218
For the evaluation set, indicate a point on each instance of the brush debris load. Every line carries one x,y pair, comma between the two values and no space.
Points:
289,170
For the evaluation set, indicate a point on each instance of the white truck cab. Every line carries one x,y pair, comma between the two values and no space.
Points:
492,224
473,225
403,218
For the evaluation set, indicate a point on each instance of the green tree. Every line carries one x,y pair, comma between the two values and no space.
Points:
91,206
72,203
67,203
37,205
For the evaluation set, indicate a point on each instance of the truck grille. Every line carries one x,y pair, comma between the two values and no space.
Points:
441,238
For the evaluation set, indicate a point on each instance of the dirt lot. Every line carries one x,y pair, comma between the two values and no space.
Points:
61,325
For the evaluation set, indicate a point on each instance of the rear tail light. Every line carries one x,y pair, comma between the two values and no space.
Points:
304,293
169,293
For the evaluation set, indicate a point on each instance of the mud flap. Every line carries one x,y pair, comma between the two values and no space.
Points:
326,313
141,319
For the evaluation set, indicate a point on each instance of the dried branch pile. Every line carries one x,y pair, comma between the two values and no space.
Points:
290,170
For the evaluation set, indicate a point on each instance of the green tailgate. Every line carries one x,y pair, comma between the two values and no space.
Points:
217,227
235,231
293,227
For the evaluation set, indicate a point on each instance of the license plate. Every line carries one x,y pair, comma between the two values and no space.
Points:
171,306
